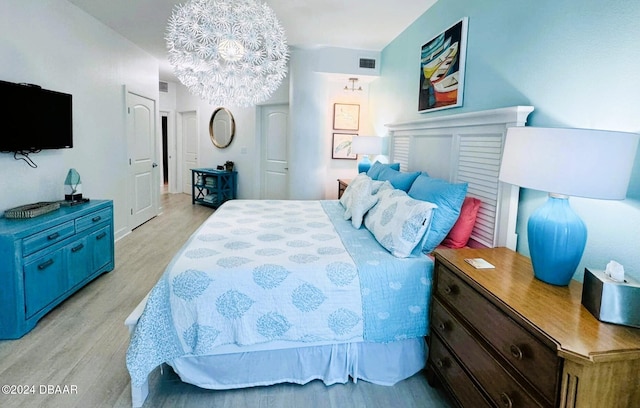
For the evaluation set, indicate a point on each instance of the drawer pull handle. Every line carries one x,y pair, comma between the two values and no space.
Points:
444,363
77,248
506,401
96,218
516,352
53,236
101,235
46,264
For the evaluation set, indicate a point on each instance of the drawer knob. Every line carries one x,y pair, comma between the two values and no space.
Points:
46,264
442,363
442,326
450,289
77,248
516,352
505,400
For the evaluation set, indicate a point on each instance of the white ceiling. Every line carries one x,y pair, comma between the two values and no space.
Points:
357,24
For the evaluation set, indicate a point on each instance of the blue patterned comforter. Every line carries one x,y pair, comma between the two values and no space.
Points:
296,271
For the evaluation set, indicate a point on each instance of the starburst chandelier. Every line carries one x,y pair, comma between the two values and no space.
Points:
228,52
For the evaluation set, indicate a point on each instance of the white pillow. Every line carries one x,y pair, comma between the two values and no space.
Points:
357,199
398,221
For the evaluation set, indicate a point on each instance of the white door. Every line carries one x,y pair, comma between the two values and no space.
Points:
141,141
189,132
275,131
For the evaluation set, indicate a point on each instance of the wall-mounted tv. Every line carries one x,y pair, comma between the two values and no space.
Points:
35,118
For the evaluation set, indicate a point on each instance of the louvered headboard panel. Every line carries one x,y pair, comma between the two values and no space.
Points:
466,147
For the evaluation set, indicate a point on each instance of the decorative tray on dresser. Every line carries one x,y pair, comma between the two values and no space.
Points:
500,337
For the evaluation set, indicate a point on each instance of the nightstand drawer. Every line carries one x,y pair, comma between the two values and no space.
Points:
456,378
502,387
535,361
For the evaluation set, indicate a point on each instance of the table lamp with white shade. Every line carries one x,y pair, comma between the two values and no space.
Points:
366,147
565,162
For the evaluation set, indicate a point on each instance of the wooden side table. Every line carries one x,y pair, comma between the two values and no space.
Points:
342,185
500,337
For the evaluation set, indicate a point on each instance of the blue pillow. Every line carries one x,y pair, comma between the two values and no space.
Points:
374,171
448,197
401,181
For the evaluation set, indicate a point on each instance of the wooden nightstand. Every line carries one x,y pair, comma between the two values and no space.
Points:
500,337
342,185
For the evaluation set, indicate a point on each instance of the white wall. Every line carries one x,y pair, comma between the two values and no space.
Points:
54,44
317,78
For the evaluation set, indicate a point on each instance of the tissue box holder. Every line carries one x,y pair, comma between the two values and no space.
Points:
610,301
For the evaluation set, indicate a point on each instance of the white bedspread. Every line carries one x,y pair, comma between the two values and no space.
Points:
278,271
258,272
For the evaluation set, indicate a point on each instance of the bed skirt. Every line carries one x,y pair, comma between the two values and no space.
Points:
378,363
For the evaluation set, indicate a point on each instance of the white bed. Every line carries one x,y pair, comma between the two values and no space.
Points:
380,341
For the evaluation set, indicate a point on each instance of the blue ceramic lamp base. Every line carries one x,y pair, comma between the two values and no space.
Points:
364,165
557,237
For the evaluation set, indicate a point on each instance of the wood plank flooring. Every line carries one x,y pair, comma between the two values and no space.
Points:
82,343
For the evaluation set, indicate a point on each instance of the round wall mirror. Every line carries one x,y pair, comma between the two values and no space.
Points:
222,128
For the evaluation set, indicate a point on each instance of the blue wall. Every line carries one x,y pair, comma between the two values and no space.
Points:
576,61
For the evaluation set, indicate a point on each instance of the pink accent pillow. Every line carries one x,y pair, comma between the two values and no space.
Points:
461,230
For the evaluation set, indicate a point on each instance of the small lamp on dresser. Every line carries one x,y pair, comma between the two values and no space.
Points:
565,162
366,146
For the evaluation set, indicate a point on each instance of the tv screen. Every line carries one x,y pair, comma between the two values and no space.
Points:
35,118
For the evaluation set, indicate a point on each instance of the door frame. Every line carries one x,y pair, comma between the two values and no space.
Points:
171,149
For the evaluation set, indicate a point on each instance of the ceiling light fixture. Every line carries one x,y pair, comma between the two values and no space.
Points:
353,85
228,52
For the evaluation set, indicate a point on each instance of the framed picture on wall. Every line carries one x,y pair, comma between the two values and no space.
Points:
341,146
346,116
442,61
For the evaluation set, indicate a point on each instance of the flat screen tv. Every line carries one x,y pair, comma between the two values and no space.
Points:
35,118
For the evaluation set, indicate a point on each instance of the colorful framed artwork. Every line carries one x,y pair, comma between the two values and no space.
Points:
442,61
346,116
341,146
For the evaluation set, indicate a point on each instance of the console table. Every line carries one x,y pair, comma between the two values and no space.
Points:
500,337
213,187
43,260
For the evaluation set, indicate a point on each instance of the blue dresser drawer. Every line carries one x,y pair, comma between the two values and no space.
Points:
87,221
47,237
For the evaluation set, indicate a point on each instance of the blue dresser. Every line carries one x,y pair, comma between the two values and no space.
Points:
43,260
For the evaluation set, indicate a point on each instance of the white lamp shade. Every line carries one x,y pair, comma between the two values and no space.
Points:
573,162
367,145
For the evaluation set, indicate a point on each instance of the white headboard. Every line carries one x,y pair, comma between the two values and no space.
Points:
466,147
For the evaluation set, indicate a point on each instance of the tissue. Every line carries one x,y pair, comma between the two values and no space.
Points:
615,271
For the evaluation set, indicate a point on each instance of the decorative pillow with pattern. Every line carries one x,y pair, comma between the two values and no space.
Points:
357,199
398,222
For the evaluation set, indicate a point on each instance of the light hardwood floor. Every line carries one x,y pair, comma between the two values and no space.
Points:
82,343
